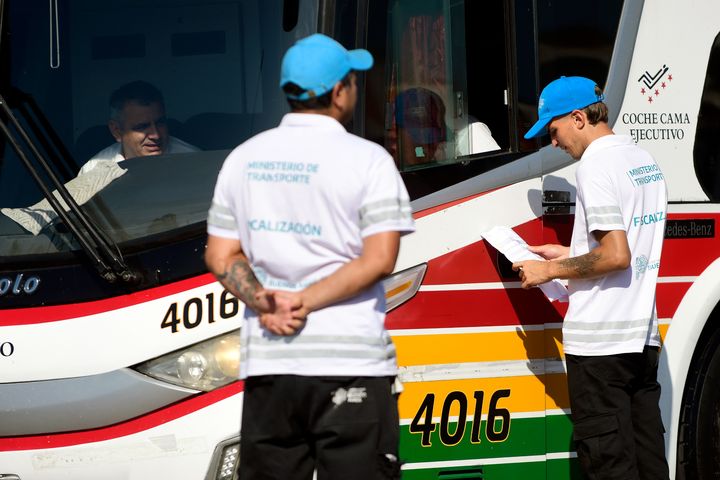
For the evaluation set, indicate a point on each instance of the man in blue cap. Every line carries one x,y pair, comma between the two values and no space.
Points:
610,333
305,221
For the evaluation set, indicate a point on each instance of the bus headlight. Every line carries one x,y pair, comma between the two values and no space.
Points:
205,366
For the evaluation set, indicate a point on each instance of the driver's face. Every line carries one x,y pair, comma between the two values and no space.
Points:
142,129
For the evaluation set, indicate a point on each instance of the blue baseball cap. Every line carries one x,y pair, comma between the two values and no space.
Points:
561,97
316,63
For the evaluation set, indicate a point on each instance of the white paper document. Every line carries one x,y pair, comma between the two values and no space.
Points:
515,249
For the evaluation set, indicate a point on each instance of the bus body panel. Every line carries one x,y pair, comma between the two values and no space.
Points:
177,442
679,345
674,42
132,325
481,359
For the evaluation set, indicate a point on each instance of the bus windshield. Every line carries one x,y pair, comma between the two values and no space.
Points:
215,66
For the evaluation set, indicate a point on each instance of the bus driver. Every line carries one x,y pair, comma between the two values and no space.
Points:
139,126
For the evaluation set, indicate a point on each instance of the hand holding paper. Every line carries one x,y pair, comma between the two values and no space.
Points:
515,249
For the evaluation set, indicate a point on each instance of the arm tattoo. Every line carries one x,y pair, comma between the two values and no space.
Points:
582,266
241,281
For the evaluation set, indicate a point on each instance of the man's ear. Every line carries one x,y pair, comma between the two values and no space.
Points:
578,118
339,92
115,130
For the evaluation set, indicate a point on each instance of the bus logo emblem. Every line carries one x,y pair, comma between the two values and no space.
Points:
654,84
19,285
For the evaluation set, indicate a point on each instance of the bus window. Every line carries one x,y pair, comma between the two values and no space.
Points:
706,153
217,66
425,83
442,77
455,83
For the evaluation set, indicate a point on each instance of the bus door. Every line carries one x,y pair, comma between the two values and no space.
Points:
479,356
470,342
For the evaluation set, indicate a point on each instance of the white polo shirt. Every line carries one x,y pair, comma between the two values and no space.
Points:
300,198
619,187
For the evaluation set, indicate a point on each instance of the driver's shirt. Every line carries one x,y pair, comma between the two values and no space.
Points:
114,153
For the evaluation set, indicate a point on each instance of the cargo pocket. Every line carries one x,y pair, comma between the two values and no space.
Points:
600,449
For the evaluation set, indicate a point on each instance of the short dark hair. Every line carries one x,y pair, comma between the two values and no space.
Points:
138,91
320,102
597,112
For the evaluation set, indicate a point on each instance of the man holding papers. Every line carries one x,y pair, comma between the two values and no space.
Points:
610,333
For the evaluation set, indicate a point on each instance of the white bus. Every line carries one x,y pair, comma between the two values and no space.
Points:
118,351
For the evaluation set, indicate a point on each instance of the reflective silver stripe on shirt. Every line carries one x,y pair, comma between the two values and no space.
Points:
384,204
322,339
597,337
620,325
320,346
381,217
623,331
382,210
289,352
221,217
608,215
607,210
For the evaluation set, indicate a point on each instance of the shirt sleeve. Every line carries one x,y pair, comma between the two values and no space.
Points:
222,219
603,207
386,203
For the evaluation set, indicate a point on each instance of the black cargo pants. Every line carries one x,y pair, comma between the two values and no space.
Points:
346,428
616,417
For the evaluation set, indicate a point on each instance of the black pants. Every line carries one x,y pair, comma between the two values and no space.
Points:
616,416
345,428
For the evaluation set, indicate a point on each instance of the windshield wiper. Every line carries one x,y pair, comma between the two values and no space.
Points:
103,252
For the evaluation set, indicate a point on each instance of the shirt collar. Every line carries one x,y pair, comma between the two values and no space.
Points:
310,120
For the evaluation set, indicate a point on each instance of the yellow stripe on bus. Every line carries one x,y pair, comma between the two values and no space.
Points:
482,347
469,347
527,394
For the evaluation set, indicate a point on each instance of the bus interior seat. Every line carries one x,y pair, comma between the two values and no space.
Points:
90,142
217,131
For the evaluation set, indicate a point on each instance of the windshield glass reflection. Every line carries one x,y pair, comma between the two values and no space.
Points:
212,71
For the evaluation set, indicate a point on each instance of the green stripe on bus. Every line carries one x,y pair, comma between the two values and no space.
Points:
559,434
527,436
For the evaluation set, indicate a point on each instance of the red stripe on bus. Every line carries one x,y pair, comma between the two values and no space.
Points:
33,315
669,296
689,256
500,307
475,308
478,262
130,427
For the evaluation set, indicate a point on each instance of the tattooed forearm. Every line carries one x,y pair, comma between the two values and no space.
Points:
581,266
239,278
